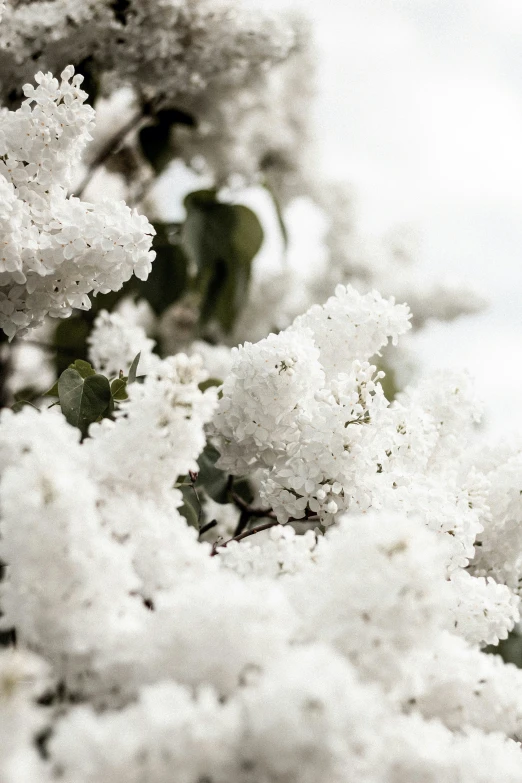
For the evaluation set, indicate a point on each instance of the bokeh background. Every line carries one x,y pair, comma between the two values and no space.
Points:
420,107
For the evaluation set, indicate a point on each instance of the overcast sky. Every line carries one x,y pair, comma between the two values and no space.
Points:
420,107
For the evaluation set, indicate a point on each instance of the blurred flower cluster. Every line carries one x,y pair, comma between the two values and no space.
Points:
234,546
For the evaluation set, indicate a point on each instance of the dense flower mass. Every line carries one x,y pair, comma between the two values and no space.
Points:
56,249
176,47
351,652
227,565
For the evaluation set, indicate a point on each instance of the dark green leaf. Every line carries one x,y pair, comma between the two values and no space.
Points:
119,389
176,117
243,488
204,385
222,240
119,9
133,368
83,367
27,394
155,139
212,479
53,391
155,145
168,279
91,80
389,382
190,508
83,400
70,341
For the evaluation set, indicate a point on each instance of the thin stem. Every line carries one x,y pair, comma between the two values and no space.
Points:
109,149
247,511
208,526
259,513
242,524
251,532
246,507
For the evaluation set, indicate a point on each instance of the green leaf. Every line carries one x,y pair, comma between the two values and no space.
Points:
204,385
212,479
169,277
190,508
119,389
389,382
27,394
52,392
133,368
83,400
119,9
83,367
70,341
155,138
221,240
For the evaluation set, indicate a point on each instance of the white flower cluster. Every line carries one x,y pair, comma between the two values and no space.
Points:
56,250
114,342
262,132
171,48
117,337
306,408
353,655
76,503
295,404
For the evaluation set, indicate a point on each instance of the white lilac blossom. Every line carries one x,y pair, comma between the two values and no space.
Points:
461,684
56,249
261,132
363,603
246,78
294,404
339,637
288,656
327,441
168,403
23,679
282,552
346,646
175,48
114,343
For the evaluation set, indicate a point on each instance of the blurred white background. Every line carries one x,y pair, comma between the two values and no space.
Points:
420,107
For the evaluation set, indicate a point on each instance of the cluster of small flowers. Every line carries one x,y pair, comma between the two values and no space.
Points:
78,499
114,343
56,250
284,552
294,404
307,408
261,134
285,657
168,403
116,338
174,48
